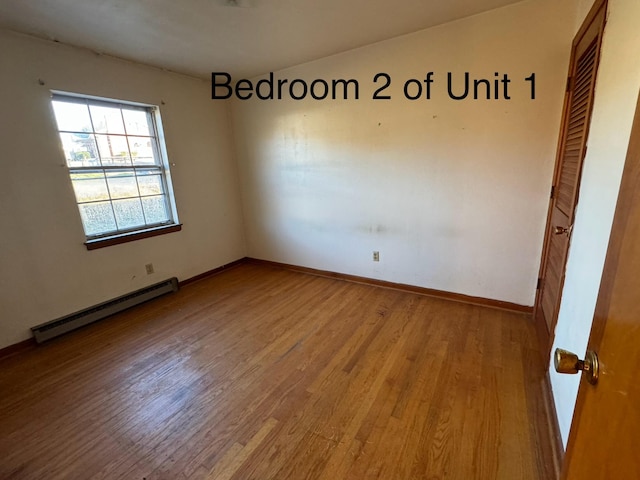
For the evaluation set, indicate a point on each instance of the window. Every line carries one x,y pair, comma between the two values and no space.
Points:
119,173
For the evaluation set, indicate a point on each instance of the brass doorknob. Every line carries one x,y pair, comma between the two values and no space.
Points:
568,362
561,230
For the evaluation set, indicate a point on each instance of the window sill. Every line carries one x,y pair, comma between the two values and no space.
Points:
131,237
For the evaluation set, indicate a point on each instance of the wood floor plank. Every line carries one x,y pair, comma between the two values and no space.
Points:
264,373
227,467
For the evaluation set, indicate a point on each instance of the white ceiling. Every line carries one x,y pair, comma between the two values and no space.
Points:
246,39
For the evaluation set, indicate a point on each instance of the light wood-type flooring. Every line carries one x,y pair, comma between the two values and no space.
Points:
264,373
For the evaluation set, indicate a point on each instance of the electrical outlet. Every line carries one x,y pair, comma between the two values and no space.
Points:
149,267
376,256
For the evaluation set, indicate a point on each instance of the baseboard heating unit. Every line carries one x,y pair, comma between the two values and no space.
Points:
65,324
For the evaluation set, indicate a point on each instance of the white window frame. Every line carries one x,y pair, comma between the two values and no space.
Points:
161,166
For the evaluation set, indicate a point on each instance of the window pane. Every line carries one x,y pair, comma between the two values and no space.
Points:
72,117
89,186
97,218
155,209
80,149
142,150
122,184
114,150
150,182
128,213
107,119
137,122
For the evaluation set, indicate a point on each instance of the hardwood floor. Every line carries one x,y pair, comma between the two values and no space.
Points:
263,373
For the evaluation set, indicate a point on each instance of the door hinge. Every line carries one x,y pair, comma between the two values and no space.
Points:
569,84
539,284
553,191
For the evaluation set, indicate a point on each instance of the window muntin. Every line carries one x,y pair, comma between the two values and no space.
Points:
114,158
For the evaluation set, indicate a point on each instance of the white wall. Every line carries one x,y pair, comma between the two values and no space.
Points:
583,9
617,88
452,194
46,271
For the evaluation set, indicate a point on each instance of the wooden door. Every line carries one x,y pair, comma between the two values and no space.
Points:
604,442
583,67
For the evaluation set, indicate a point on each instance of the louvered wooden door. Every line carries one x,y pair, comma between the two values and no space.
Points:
571,151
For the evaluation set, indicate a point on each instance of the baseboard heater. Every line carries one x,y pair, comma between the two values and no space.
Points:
65,324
